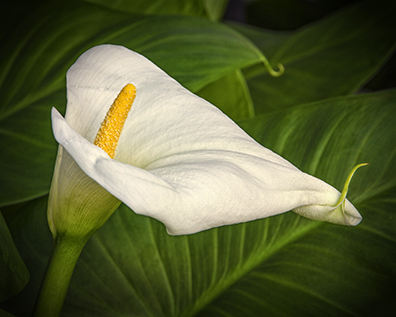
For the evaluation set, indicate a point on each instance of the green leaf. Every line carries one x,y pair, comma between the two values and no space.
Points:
13,272
212,9
194,51
37,55
332,57
215,9
230,94
280,266
268,41
340,132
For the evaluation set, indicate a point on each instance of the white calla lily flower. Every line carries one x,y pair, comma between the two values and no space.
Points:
179,159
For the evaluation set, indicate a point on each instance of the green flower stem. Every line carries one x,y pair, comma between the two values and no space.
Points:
59,271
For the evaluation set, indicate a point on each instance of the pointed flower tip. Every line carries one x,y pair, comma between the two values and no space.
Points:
343,212
350,214
54,112
347,182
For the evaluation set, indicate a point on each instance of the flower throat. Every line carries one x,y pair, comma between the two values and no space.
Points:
110,130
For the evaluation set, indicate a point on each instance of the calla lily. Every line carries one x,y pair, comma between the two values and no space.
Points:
179,159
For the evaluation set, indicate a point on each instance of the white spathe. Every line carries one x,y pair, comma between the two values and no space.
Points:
179,160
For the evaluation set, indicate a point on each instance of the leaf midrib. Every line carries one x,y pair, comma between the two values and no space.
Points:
211,294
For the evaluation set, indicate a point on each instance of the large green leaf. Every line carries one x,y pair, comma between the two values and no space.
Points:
212,9
267,41
230,94
280,266
13,272
37,55
332,57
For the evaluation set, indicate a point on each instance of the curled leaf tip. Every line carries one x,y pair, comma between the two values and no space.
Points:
271,71
279,72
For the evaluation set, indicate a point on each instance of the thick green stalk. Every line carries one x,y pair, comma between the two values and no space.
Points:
59,271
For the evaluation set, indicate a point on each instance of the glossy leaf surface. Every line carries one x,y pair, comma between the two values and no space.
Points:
332,57
13,272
